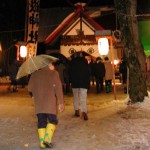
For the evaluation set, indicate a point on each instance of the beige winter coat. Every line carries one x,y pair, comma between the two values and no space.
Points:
108,70
46,88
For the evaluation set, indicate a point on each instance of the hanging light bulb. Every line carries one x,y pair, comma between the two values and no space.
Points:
103,46
23,51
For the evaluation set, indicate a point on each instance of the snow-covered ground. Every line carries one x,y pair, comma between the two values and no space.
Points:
112,124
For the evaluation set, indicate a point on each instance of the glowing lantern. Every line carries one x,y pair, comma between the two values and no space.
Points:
116,62
103,46
23,51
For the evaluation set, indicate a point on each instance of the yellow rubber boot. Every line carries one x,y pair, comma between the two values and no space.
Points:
41,133
50,129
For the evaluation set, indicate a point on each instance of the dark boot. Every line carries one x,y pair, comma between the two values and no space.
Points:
107,88
125,90
110,88
15,89
77,114
84,116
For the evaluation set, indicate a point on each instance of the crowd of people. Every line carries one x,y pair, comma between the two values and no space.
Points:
48,85
100,72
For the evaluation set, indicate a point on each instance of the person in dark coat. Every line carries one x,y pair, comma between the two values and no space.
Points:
46,88
80,80
66,73
123,71
99,72
91,65
59,66
13,69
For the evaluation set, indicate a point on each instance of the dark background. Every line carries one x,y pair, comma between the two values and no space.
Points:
70,3
13,12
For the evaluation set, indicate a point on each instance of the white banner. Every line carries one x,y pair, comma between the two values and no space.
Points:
33,24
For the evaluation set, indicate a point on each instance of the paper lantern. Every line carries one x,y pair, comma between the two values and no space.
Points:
116,62
103,46
23,51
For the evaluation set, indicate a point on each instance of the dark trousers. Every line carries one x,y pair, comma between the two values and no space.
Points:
43,119
67,87
92,78
99,84
108,85
14,82
124,78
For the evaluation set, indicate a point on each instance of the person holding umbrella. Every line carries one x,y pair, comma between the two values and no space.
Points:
46,88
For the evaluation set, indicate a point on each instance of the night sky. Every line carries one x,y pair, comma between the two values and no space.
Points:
12,12
70,3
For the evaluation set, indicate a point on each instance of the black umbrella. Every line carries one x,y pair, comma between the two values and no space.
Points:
60,56
78,54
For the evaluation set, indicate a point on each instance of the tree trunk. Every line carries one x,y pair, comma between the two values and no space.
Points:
134,53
